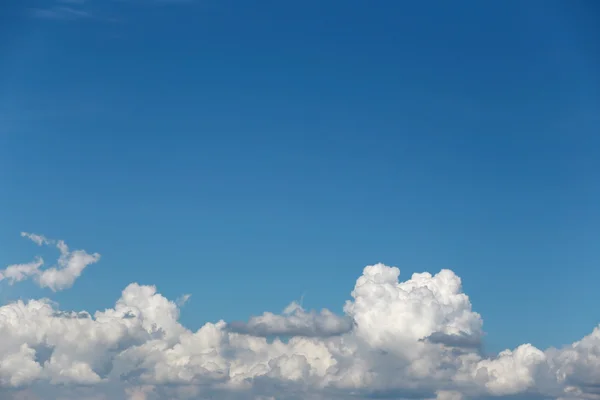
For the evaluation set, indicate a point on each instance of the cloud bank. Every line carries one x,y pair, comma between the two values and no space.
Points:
412,339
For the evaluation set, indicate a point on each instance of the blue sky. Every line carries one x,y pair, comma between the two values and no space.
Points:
251,153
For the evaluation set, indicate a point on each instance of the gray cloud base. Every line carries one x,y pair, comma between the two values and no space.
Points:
295,321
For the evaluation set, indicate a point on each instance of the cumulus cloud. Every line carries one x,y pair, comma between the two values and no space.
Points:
70,266
416,338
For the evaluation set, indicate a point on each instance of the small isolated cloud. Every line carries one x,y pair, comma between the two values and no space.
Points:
294,321
70,266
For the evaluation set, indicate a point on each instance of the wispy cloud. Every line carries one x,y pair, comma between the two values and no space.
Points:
37,239
60,13
71,10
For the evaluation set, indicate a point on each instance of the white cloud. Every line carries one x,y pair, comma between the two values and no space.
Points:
70,266
411,339
19,368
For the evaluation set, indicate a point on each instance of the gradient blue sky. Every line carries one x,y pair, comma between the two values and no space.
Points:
252,152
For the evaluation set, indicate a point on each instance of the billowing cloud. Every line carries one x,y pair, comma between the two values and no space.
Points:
418,338
70,266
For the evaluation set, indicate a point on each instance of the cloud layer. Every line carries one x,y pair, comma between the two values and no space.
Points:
418,338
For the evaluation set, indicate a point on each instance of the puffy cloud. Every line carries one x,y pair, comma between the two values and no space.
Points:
19,368
417,338
295,321
578,366
70,266
511,372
